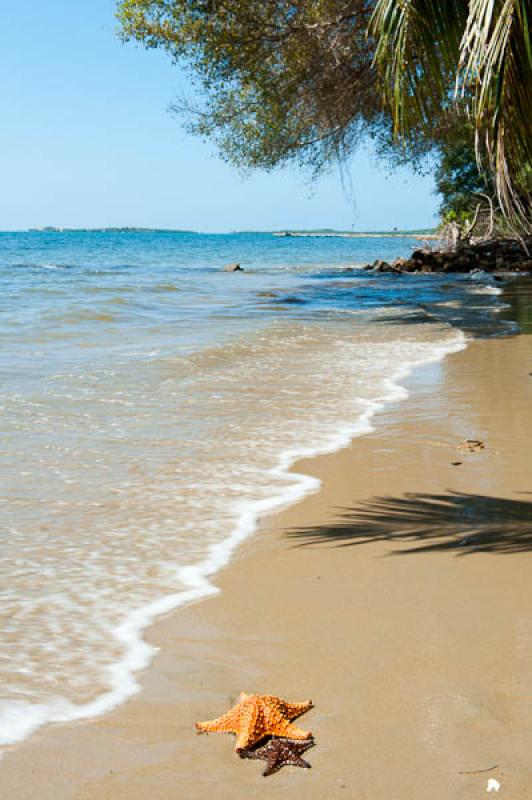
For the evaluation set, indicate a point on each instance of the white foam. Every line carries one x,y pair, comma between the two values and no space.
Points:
19,719
496,290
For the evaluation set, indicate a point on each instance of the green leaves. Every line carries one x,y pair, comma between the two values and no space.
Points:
474,56
279,81
285,80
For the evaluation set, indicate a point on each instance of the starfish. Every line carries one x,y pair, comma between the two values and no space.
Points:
257,716
279,753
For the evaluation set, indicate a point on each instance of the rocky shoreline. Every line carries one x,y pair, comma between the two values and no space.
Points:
494,255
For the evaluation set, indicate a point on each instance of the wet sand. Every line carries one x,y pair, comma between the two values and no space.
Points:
398,598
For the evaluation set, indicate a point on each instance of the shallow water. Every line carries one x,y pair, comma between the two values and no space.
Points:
151,406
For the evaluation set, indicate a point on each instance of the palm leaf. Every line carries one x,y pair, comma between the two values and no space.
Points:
475,54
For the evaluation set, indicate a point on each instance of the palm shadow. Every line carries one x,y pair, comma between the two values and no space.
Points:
455,521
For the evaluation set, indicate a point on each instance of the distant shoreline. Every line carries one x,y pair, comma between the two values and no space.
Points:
358,235
324,233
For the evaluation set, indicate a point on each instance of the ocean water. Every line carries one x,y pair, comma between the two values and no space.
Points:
152,406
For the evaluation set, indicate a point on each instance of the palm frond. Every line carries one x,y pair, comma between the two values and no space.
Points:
496,67
476,54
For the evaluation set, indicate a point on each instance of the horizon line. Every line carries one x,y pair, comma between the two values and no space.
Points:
280,231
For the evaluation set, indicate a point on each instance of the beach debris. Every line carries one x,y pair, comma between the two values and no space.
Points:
493,785
257,716
478,771
471,446
233,268
456,463
466,446
279,753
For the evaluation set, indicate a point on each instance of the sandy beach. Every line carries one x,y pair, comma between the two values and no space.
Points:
398,598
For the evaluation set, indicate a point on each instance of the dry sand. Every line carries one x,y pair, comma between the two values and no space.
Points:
408,621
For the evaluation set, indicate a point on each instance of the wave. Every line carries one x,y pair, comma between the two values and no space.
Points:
19,718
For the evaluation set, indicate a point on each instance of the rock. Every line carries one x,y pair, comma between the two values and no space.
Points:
501,255
233,268
380,266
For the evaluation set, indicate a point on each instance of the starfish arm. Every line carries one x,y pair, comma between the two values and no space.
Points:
247,738
274,763
293,710
289,731
281,753
300,762
228,723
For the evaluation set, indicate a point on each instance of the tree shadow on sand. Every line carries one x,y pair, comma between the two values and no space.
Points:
464,523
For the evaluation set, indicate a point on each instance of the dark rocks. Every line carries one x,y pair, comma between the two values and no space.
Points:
380,266
233,268
383,266
497,255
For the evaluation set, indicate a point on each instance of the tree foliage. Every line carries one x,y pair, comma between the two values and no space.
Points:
465,56
463,188
280,81
302,80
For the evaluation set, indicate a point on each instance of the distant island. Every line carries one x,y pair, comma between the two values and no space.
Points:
419,233
56,229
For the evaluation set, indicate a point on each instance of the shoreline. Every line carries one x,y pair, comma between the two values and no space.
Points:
355,235
420,237
180,684
201,578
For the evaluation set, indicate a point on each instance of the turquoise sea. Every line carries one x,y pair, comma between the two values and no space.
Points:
152,406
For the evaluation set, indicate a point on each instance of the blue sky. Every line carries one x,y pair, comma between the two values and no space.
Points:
86,140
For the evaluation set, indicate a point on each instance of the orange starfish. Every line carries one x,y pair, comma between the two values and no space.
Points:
257,716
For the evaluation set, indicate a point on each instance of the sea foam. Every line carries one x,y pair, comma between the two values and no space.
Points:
19,718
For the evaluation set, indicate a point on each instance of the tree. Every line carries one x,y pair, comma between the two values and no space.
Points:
459,181
465,56
280,81
303,80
